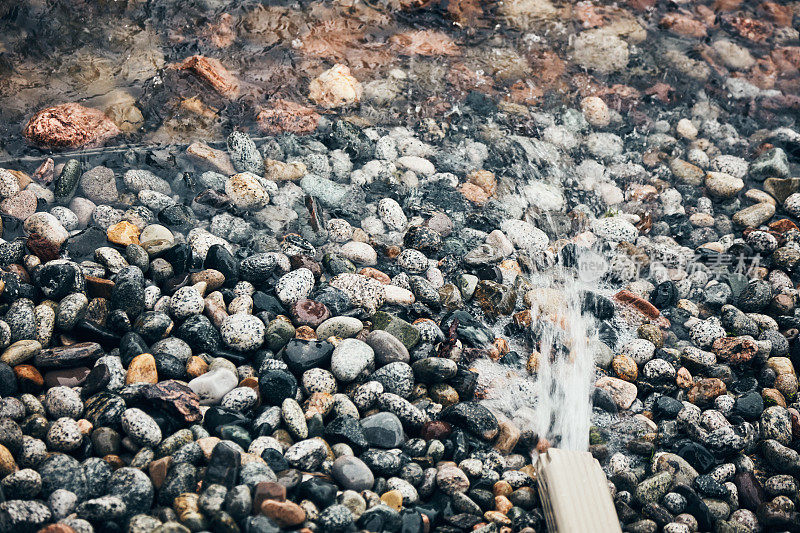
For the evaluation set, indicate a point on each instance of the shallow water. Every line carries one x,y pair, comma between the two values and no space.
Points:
415,64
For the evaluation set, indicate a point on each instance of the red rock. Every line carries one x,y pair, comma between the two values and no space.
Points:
158,470
683,25
287,116
751,29
643,306
43,248
705,390
286,514
436,429
267,490
309,313
734,350
783,225
69,126
56,528
29,379
214,73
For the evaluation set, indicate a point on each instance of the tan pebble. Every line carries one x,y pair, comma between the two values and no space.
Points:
393,499
213,278
474,194
702,220
123,233
142,370
595,111
497,517
483,179
686,129
335,87
759,196
207,445
196,366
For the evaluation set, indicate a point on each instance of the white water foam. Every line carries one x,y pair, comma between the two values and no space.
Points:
553,404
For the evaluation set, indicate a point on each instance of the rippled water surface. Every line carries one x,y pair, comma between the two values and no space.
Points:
417,59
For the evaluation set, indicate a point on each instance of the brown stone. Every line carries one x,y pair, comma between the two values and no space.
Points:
98,287
443,394
66,377
286,514
781,365
176,398
734,350
773,397
641,305
684,378
251,382
158,470
794,415
114,461
267,490
213,278
474,194
683,25
28,378
196,366
7,463
69,126
376,274
508,437
782,226
318,403
393,499
625,367
305,333
123,233
787,385
43,248
502,488
705,390
214,73
142,370
287,116
56,528
68,356
483,179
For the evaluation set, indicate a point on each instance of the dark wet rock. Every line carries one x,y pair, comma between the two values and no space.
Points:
474,417
383,430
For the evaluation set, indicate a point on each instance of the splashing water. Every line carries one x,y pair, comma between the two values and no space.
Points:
551,399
